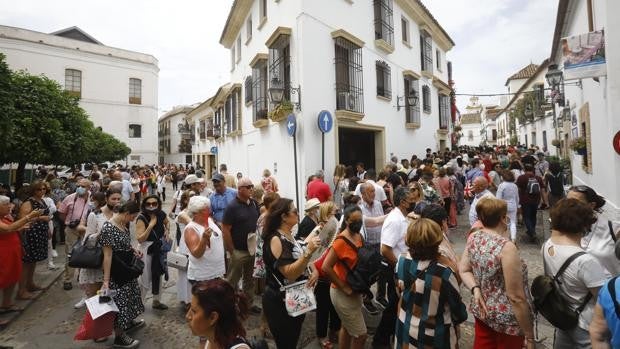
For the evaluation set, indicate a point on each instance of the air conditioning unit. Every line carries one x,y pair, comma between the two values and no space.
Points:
347,100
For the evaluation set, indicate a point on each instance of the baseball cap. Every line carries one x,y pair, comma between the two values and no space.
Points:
218,177
191,179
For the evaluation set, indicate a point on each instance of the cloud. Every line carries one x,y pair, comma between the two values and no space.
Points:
494,39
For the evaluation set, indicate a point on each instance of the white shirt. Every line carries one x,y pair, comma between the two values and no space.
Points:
394,231
583,273
600,245
379,192
373,234
473,216
211,265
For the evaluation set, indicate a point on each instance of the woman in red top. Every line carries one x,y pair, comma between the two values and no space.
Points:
10,253
348,304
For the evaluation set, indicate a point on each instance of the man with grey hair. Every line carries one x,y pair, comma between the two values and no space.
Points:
479,189
393,245
319,189
73,211
126,188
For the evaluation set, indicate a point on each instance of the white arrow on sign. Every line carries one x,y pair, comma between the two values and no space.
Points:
325,122
290,125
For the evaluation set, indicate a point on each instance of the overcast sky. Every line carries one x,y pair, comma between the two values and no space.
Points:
494,38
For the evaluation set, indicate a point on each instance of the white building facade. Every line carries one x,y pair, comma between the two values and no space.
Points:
592,108
117,88
380,71
175,136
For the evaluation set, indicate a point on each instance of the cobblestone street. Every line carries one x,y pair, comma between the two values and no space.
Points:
51,321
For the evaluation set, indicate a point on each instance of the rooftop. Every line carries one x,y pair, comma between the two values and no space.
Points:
524,73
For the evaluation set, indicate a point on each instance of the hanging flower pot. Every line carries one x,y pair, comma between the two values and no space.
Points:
579,145
556,143
281,111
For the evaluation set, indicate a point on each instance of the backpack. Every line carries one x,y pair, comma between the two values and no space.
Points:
549,301
533,187
366,271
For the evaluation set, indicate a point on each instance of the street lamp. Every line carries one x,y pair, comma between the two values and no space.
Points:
411,100
276,90
555,78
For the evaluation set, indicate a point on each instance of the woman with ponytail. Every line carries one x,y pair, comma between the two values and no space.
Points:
217,313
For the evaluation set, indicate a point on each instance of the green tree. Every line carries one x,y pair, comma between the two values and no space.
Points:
6,102
47,126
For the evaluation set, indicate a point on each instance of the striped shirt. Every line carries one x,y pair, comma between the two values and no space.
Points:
430,306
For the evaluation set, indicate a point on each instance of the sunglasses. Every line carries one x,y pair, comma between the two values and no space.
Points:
151,204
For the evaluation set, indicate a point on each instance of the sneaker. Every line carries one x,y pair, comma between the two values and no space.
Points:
134,325
54,254
67,286
51,266
124,341
159,305
80,304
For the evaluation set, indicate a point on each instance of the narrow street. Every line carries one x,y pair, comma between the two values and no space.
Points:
51,321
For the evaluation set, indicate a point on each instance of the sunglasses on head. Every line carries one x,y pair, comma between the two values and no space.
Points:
247,186
580,188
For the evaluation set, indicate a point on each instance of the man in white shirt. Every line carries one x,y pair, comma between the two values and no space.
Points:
393,245
371,208
370,176
479,188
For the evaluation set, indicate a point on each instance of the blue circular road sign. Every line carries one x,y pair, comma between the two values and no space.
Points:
291,125
325,121
213,150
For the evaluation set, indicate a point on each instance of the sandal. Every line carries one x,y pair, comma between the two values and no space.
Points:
326,344
13,308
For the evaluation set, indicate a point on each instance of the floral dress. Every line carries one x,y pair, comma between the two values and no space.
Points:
128,298
484,250
34,239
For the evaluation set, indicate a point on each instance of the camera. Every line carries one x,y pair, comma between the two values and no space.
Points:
74,223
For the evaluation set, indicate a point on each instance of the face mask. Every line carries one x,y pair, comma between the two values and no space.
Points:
355,226
80,190
151,209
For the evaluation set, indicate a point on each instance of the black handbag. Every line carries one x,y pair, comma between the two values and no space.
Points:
85,257
126,266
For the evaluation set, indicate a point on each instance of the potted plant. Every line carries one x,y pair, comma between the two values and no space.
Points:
579,145
281,111
556,143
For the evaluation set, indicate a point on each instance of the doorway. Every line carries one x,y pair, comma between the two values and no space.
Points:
357,145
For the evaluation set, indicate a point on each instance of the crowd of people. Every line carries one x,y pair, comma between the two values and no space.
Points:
247,246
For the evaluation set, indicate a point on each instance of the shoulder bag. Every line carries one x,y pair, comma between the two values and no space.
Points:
85,257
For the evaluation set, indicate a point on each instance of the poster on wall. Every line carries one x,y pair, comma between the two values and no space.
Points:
583,55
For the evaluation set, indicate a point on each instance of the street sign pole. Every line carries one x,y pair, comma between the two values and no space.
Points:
291,127
323,151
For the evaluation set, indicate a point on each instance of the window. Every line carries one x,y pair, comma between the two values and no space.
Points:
248,89
533,138
263,9
135,131
404,24
384,21
135,91
348,67
248,30
383,80
259,90
280,65
438,59
412,113
238,48
202,129
426,51
232,58
544,139
73,82
444,111
470,135
231,111
494,134
426,99
217,122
